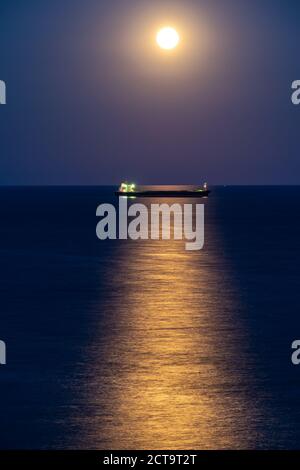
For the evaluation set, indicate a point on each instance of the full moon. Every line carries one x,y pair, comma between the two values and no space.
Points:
167,38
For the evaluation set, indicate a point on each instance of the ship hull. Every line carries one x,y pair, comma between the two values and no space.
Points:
167,193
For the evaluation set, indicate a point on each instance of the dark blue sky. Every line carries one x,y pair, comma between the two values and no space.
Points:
91,101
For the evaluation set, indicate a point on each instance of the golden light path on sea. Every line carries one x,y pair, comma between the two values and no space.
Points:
164,369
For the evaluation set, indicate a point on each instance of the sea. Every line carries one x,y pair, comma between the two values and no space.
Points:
123,344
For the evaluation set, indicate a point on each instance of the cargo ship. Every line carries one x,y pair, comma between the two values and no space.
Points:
130,189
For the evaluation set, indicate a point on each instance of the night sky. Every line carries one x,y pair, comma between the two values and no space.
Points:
92,100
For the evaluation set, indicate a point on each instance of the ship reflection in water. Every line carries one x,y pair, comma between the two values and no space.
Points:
166,373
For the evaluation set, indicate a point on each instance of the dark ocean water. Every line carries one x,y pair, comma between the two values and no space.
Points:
141,344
